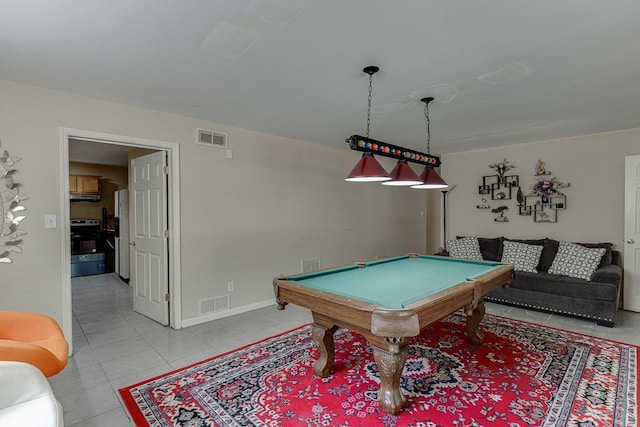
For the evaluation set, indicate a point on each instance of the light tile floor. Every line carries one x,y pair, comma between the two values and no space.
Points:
115,347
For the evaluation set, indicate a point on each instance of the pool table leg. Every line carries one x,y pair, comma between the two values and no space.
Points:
323,337
474,317
390,365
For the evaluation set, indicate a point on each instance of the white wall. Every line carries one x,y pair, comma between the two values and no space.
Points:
592,164
245,219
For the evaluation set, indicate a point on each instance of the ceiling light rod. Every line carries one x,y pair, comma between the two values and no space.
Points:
368,145
430,178
368,169
371,70
426,101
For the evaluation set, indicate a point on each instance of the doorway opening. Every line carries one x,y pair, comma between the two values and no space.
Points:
100,145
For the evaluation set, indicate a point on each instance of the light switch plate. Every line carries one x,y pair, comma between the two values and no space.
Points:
50,221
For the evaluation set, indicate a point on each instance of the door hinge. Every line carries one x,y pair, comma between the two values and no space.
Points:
166,234
167,297
166,170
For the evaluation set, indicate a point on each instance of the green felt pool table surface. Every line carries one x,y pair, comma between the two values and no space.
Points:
395,282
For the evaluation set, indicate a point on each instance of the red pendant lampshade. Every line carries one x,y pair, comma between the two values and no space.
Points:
430,180
403,175
367,170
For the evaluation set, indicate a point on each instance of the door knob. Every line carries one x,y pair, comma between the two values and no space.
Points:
631,241
132,243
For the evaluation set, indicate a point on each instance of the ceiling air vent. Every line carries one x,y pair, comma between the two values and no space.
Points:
211,138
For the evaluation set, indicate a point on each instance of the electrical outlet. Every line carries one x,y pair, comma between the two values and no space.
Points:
230,286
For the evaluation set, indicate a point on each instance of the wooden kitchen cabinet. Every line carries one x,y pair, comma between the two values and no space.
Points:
84,184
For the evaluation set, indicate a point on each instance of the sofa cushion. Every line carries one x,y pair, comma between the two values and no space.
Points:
574,260
466,247
524,257
563,286
490,247
548,254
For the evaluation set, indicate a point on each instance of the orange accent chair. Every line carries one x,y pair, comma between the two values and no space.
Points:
33,338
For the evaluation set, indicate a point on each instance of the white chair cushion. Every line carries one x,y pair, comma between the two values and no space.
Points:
26,397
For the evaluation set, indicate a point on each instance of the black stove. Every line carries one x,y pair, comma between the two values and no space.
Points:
87,247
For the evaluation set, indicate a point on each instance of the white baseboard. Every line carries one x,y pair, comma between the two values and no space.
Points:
222,314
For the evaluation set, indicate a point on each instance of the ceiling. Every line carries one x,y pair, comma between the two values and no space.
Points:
84,151
502,71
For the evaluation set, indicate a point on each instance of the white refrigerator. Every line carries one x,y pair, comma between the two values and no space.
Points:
122,233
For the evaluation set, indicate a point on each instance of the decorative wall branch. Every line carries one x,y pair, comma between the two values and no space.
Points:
11,208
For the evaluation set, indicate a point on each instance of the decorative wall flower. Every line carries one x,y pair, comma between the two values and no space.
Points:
547,187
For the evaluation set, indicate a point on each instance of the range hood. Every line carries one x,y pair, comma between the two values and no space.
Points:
84,197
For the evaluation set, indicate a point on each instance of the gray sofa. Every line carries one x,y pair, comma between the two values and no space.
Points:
597,299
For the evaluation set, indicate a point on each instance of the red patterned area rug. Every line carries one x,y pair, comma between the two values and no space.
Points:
522,375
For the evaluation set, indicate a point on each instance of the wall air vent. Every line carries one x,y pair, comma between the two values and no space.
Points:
211,305
221,303
206,306
310,264
211,138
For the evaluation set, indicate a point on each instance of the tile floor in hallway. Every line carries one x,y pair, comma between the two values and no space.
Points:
116,347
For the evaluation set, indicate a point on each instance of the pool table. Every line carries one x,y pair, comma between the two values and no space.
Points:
388,301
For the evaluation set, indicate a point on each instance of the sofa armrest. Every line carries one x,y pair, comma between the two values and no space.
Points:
611,273
441,252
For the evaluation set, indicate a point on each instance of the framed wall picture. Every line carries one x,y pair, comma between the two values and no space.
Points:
546,215
511,181
489,180
500,193
535,202
558,202
499,186
526,210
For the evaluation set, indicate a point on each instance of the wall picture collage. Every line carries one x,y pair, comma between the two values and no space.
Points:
541,201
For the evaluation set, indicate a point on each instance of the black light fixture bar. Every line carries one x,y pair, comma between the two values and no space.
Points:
379,148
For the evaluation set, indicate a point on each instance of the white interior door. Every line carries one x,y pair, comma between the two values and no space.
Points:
631,296
149,255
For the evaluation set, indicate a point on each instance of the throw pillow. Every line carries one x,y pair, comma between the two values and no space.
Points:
490,247
574,260
524,257
467,248
607,258
525,241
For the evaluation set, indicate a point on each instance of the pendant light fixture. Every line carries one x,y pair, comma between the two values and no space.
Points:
430,178
368,169
403,175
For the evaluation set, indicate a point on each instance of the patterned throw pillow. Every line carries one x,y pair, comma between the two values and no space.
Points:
576,261
524,257
467,247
